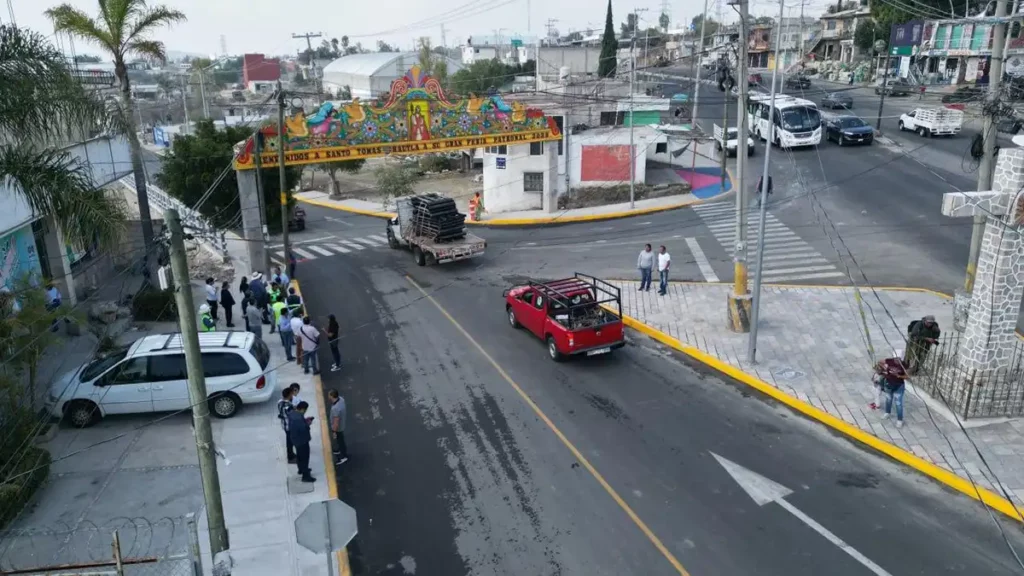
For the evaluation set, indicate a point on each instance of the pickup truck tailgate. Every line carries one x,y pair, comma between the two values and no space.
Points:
595,340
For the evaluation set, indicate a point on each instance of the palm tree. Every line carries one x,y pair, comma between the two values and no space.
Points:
42,107
123,30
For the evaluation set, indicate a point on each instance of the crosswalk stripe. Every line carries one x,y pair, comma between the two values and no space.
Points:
798,270
380,238
303,253
702,261
769,270
339,248
768,234
367,242
816,276
320,250
280,253
353,245
796,256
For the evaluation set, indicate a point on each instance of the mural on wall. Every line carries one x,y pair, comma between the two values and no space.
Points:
18,259
414,117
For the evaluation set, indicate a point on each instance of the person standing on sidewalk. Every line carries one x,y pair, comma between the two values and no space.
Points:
333,333
645,262
284,329
338,418
206,322
284,406
282,279
227,302
212,297
254,319
296,389
893,386
310,338
292,263
296,321
298,432
294,301
664,260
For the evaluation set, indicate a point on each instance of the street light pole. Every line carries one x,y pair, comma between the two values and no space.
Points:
739,300
756,304
879,46
632,153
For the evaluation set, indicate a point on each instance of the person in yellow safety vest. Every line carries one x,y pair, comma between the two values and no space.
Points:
275,295
277,307
206,322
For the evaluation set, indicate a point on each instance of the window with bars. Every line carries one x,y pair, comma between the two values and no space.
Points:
533,181
536,148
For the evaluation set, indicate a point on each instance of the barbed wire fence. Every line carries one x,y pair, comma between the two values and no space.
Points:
118,547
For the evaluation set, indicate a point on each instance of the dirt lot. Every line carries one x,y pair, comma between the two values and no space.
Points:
600,196
362,185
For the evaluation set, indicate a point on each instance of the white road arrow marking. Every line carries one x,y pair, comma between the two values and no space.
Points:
764,491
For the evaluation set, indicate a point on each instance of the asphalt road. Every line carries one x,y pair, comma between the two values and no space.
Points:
457,468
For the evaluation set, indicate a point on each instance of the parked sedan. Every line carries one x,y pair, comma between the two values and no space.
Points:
798,81
893,87
835,100
849,130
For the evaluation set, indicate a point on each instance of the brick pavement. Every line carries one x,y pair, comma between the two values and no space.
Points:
812,345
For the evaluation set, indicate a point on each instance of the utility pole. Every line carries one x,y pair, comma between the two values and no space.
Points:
258,140
885,84
281,172
312,62
632,88
197,387
202,92
739,300
694,54
800,57
444,43
184,99
763,201
988,161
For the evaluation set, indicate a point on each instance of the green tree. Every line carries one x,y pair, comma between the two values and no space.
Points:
195,162
88,59
425,58
395,180
629,27
664,20
866,33
40,98
383,46
710,27
608,60
333,168
123,31
482,76
299,79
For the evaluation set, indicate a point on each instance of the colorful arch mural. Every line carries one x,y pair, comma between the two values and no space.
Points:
415,117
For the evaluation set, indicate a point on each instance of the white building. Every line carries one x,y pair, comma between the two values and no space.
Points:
369,75
32,246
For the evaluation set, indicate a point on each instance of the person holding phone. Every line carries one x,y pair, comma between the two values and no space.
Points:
298,431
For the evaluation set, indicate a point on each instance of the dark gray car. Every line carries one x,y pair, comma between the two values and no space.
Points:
894,87
835,100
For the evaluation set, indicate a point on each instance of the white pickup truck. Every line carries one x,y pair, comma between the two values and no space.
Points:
933,121
729,145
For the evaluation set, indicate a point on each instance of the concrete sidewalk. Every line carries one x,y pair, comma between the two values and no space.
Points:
812,347
258,485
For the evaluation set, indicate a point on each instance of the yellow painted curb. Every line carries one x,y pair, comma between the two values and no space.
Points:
341,556
991,499
539,221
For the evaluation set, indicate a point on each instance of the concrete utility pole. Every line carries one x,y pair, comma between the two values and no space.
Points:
694,55
202,92
632,88
739,300
885,82
258,141
988,160
281,129
756,308
184,99
800,57
197,394
312,62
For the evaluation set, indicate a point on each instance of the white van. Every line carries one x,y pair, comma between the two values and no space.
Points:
150,376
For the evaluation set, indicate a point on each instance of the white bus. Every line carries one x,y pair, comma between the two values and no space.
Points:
797,121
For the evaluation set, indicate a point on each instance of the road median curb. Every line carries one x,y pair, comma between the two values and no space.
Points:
962,485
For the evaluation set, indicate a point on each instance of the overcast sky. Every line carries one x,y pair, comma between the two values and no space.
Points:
267,25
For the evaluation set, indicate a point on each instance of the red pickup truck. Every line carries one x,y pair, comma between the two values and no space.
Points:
575,316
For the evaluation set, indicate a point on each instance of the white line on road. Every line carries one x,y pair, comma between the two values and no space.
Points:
383,239
702,261
799,270
320,250
366,241
596,241
352,244
338,220
299,242
339,248
643,223
303,253
819,275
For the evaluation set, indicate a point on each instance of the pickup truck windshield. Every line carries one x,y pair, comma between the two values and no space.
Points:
801,119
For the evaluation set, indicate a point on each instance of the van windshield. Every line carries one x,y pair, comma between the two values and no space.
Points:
102,362
260,351
801,119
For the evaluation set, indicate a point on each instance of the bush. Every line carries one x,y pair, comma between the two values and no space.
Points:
34,463
152,305
435,163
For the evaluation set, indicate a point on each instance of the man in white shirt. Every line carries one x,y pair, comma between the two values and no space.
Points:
310,338
663,263
645,262
212,296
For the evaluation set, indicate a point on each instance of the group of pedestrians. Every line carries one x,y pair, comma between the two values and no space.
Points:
646,262
291,411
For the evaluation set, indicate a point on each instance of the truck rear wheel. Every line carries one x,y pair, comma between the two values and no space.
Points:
553,350
417,255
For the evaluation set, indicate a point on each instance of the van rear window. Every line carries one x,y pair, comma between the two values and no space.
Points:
260,351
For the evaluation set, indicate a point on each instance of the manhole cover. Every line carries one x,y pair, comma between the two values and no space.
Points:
788,374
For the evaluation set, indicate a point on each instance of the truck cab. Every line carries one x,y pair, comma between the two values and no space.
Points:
578,316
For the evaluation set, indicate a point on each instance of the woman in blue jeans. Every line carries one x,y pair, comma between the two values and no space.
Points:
893,386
